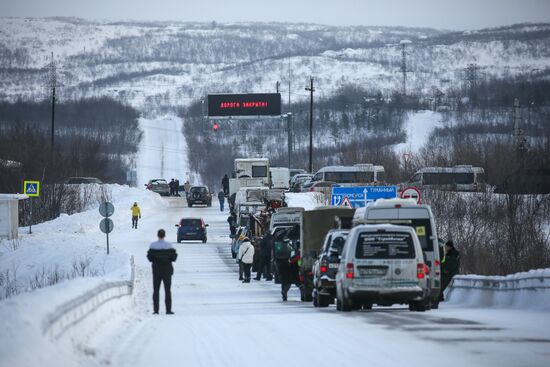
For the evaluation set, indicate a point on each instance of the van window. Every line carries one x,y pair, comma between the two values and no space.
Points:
259,171
448,178
387,245
338,244
318,177
422,227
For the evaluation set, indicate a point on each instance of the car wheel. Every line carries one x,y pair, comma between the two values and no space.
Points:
367,306
204,240
345,304
323,301
419,306
315,299
179,240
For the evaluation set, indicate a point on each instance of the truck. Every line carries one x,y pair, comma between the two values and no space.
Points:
279,177
249,172
315,225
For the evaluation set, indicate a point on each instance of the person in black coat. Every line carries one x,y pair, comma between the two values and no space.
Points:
225,184
161,254
264,266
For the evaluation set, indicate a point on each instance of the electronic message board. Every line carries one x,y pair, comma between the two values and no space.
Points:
253,104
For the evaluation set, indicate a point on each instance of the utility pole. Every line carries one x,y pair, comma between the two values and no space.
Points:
289,130
277,84
311,90
471,78
52,83
403,68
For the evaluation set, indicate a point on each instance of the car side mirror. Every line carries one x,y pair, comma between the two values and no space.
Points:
177,225
206,225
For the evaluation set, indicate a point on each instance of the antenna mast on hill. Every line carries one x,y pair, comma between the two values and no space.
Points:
52,84
403,68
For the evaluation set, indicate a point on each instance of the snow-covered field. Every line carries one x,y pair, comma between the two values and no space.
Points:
418,126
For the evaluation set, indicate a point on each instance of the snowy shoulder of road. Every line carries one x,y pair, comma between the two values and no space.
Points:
306,200
162,151
418,127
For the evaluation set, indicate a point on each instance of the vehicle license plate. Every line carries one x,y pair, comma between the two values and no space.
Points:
333,266
372,271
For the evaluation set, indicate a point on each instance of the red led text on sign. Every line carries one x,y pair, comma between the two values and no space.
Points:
259,104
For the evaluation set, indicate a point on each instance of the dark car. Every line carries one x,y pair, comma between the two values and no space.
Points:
326,267
192,229
199,195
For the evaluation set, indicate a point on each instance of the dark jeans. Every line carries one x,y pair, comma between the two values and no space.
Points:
164,276
221,206
285,287
264,267
134,221
246,270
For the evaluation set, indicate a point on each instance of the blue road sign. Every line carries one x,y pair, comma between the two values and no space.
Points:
360,195
31,188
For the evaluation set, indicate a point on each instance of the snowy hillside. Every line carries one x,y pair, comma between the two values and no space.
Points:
170,64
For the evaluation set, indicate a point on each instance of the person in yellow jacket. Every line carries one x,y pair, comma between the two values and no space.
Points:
136,214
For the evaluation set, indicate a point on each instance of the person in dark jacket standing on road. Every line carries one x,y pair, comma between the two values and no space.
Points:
225,184
266,247
450,266
161,254
221,198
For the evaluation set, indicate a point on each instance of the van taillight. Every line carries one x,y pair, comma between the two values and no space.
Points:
422,270
349,270
397,206
323,267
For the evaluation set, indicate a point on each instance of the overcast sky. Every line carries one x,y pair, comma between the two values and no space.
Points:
447,14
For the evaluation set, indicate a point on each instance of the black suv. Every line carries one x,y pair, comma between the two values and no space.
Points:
326,267
199,195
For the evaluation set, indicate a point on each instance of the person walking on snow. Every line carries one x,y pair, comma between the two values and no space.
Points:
225,184
161,254
221,198
172,187
136,214
246,256
177,187
266,248
186,186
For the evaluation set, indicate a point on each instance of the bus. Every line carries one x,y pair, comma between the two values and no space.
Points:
457,178
356,175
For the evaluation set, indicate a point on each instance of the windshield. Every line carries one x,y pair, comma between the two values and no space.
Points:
384,245
199,189
259,171
423,229
191,223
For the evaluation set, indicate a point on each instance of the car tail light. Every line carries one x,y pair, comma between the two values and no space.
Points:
422,270
437,267
349,270
323,267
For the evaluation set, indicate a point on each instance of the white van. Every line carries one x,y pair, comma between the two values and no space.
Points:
407,212
357,175
382,264
457,178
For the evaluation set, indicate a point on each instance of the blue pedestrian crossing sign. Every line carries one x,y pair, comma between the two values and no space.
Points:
356,197
31,188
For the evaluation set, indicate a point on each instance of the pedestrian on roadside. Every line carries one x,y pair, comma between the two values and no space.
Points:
136,214
186,186
225,184
177,187
246,257
161,254
221,198
232,220
264,267
172,188
287,264
450,266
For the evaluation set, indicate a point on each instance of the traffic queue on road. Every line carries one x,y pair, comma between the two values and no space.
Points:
382,253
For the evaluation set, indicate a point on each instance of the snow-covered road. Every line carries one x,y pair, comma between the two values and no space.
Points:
219,321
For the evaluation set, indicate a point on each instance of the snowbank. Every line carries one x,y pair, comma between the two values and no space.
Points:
306,200
529,290
72,244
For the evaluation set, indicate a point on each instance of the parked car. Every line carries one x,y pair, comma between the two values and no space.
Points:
159,185
82,180
192,229
199,195
382,264
326,267
298,180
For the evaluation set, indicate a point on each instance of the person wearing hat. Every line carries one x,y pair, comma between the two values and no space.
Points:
136,214
450,266
246,257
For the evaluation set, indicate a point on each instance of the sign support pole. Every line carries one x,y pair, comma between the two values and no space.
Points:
30,221
108,229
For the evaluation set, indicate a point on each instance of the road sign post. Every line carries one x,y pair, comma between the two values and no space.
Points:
106,225
31,189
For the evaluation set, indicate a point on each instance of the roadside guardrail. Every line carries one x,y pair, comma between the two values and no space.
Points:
72,312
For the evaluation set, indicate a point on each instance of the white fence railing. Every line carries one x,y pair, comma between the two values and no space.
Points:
521,290
74,311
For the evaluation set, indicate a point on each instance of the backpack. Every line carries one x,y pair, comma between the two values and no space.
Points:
281,250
